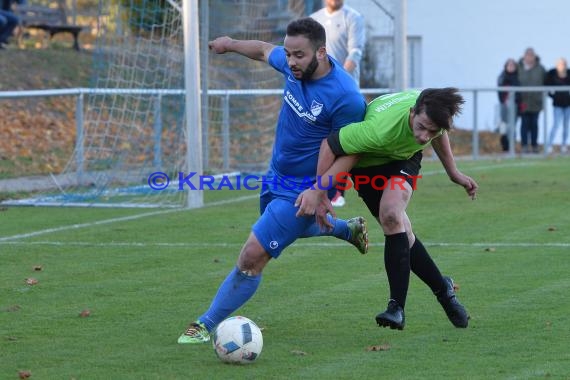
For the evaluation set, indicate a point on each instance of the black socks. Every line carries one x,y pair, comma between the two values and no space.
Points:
423,266
397,264
399,259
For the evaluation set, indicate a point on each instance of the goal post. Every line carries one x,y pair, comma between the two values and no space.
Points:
195,198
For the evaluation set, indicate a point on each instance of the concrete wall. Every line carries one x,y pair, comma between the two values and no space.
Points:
466,42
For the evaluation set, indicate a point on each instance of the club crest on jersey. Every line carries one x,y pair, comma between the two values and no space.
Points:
316,108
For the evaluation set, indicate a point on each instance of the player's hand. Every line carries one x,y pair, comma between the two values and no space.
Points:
308,201
315,202
220,45
468,184
321,215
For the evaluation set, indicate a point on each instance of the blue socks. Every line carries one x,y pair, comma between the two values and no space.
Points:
238,287
340,229
236,290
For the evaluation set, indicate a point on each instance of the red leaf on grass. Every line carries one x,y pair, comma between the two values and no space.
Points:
85,313
31,281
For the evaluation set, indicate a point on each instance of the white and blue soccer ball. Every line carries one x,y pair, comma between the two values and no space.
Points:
237,340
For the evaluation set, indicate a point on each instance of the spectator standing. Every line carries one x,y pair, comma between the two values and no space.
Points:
346,37
559,76
8,21
508,77
531,73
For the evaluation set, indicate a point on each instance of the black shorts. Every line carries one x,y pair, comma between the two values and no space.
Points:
371,192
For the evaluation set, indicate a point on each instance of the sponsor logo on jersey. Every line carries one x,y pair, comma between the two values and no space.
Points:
391,99
316,108
295,105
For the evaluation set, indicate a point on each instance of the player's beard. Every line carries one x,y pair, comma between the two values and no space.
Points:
308,73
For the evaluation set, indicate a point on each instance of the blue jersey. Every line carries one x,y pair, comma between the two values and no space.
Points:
311,110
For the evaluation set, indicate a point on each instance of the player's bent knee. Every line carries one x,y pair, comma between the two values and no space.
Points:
391,220
252,258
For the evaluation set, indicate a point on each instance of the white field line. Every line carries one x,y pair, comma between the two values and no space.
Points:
238,245
84,225
115,220
229,201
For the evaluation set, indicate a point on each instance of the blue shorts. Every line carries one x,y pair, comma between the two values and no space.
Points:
278,227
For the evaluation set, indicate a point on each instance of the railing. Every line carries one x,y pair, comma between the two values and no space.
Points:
226,95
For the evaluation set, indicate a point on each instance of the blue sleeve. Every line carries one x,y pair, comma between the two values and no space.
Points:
277,59
351,109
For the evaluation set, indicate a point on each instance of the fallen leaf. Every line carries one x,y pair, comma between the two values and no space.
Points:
378,347
85,313
38,268
31,281
13,308
298,352
24,374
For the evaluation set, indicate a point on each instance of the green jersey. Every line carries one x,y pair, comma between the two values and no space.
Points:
385,133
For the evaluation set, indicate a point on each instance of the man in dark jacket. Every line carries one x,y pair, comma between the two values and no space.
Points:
8,21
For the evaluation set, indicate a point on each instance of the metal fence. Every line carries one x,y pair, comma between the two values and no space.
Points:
227,95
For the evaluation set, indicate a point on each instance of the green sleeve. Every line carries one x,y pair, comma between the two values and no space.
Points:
367,136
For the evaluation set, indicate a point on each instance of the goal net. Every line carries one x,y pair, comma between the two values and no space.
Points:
132,120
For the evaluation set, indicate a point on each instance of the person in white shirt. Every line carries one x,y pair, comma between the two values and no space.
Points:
346,36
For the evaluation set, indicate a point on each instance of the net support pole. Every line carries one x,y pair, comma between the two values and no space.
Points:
204,27
79,140
157,127
400,46
194,198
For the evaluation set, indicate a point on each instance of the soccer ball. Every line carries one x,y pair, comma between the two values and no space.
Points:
237,340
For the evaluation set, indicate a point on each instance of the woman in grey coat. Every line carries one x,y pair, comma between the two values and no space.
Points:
531,73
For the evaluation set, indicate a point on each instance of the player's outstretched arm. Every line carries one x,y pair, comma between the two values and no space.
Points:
253,49
315,201
442,148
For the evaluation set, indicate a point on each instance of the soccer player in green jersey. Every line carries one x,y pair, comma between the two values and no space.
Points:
388,145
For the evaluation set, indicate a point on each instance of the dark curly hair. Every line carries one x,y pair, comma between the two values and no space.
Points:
440,105
309,28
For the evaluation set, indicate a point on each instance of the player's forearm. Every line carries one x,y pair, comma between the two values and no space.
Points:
326,158
253,49
339,168
329,166
442,148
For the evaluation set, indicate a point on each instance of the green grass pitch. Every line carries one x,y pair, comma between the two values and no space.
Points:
143,275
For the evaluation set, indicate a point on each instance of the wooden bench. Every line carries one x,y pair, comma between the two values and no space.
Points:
50,20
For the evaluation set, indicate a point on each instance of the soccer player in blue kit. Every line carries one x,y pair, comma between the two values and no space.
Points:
319,98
